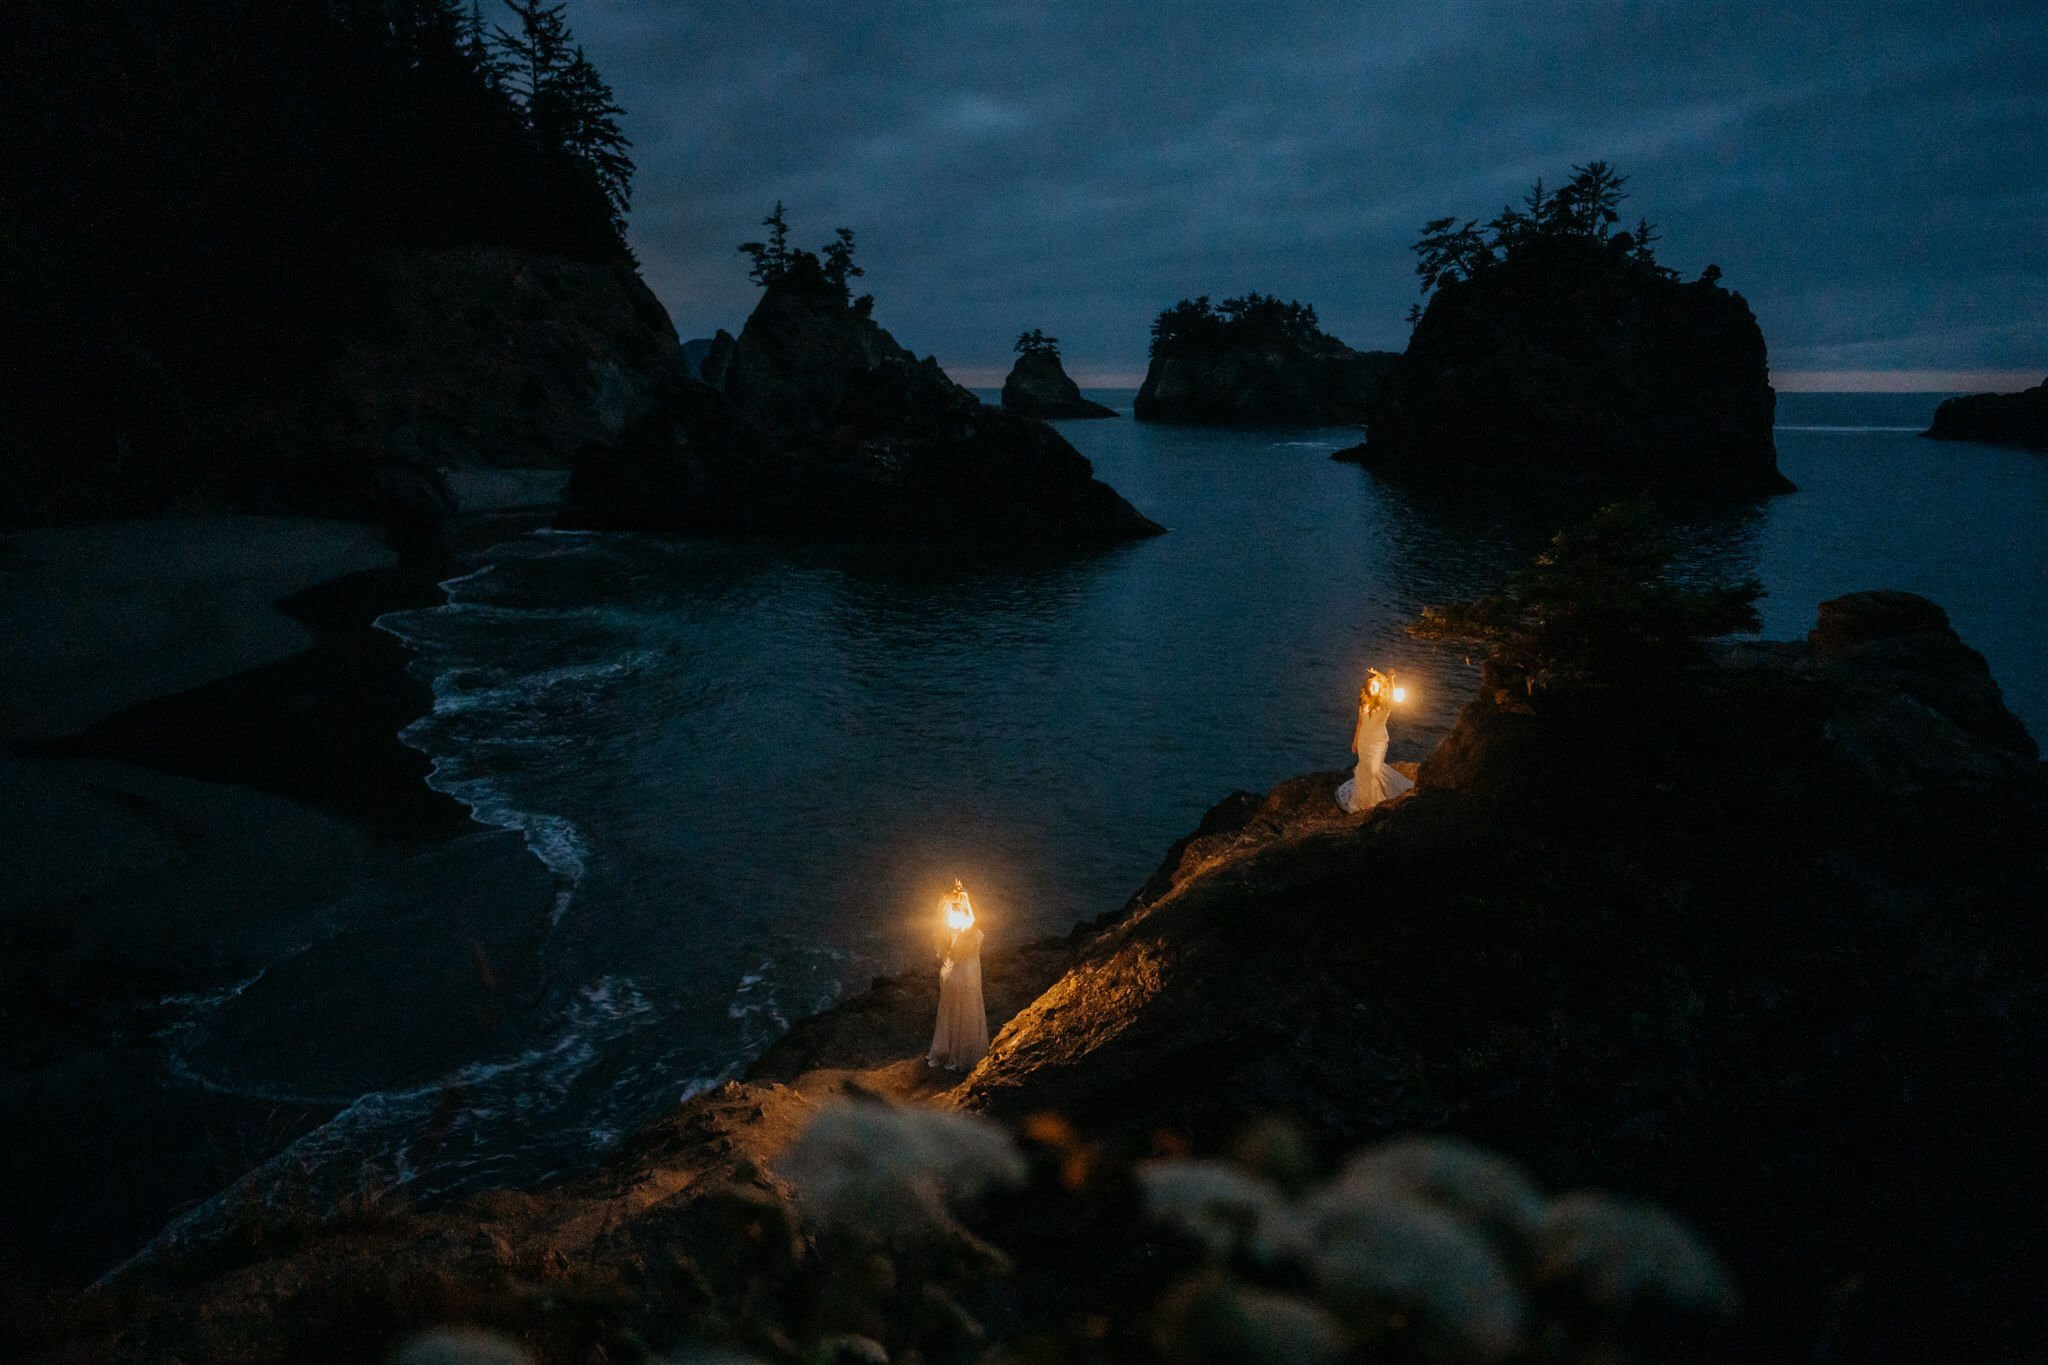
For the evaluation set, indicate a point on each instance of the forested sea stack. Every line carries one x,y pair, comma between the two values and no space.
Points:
1038,385
1255,360
1555,348
824,426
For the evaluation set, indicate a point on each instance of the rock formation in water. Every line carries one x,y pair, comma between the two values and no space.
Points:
1254,361
2004,419
1038,386
825,426
1759,944
1561,352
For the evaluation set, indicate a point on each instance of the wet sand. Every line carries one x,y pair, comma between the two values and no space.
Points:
201,764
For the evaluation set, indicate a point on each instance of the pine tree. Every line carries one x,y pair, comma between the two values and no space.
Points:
838,256
771,258
590,129
535,60
1035,342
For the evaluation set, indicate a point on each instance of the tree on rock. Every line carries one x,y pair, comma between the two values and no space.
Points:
1036,342
825,271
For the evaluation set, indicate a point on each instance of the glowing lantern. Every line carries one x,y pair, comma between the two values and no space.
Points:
1400,694
957,909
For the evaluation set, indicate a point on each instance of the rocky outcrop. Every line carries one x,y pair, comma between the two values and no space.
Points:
1038,386
470,357
1758,943
825,426
1569,362
450,359
2004,419
1261,382
706,358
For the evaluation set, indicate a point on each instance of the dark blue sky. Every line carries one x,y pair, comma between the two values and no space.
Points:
1872,176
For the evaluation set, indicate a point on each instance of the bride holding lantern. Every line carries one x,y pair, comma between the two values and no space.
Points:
1373,781
961,1038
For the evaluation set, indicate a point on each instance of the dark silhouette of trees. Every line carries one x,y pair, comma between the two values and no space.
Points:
1585,209
1036,342
838,254
569,108
590,131
1600,604
825,271
193,196
771,259
1251,319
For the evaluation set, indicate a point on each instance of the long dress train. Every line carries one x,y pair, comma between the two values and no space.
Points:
961,1038
1373,781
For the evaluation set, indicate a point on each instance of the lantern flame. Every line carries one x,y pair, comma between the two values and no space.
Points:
958,910
1400,694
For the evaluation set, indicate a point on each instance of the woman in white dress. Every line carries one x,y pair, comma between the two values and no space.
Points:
961,1038
1373,781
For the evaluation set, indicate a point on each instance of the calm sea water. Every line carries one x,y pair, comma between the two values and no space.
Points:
754,768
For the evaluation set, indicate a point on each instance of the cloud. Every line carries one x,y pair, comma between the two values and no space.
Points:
1873,177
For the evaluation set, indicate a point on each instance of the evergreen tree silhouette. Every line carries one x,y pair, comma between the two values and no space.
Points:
1036,342
536,59
590,129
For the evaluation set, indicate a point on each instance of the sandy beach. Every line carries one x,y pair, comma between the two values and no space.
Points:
202,764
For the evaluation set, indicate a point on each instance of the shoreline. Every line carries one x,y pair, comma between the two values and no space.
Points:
205,764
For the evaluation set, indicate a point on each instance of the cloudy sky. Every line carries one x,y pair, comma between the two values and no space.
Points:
1872,176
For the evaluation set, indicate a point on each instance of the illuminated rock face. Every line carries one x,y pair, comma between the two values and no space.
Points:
825,426
1571,364
1724,945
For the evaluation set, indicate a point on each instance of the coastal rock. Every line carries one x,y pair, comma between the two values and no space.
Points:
1569,362
1260,377
706,358
473,357
825,426
1038,386
1704,943
2005,419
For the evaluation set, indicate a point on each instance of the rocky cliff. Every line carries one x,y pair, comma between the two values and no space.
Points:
1038,386
825,426
1570,362
1758,944
465,357
2006,419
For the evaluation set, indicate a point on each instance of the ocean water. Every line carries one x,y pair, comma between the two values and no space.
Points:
753,768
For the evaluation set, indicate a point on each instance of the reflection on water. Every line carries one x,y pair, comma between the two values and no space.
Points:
755,768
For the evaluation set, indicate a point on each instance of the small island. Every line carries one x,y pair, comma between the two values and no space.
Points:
1555,348
820,424
1254,361
2000,419
1038,385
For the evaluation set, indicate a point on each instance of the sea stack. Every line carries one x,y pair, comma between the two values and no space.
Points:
1254,361
2003,419
1558,351
824,426
1038,385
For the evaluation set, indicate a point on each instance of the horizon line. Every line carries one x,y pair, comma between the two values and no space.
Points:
1784,381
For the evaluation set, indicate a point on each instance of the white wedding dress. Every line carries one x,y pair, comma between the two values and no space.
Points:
1374,781
961,1038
